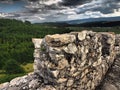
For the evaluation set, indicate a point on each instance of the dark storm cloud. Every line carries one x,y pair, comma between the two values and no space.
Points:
104,6
43,6
74,2
33,0
108,6
9,1
67,2
58,10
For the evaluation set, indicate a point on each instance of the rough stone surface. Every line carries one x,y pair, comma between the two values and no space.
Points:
75,61
112,78
78,60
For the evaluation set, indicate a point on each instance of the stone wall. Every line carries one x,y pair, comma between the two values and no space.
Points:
112,78
73,61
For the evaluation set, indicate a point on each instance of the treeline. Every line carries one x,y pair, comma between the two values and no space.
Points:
100,24
15,40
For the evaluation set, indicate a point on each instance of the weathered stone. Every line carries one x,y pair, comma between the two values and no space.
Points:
37,53
76,74
4,86
70,82
58,40
99,61
56,57
112,79
46,88
109,87
72,69
19,80
13,88
37,42
55,73
71,48
35,65
81,59
34,84
61,80
54,50
82,35
62,64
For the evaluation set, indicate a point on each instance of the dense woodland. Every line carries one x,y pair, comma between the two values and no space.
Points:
15,39
16,47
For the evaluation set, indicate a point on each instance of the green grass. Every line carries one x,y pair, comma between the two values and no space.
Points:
8,77
28,67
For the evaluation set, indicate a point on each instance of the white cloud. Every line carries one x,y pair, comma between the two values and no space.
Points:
68,11
116,13
3,15
40,18
87,14
50,2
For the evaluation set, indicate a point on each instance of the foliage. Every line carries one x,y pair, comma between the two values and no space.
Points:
8,77
12,67
27,22
15,39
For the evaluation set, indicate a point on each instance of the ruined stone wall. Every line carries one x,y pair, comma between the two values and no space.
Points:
112,77
72,61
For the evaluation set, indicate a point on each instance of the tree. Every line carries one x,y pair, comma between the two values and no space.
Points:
12,67
1,64
27,22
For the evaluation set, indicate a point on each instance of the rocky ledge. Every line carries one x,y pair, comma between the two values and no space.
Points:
74,61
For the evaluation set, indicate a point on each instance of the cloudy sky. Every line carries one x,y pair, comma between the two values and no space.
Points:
58,10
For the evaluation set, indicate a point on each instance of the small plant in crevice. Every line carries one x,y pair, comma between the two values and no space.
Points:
43,48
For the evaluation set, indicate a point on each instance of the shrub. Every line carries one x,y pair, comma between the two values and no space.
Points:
12,67
6,78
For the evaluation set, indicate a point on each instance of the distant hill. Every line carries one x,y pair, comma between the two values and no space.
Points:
91,22
103,19
94,22
99,24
